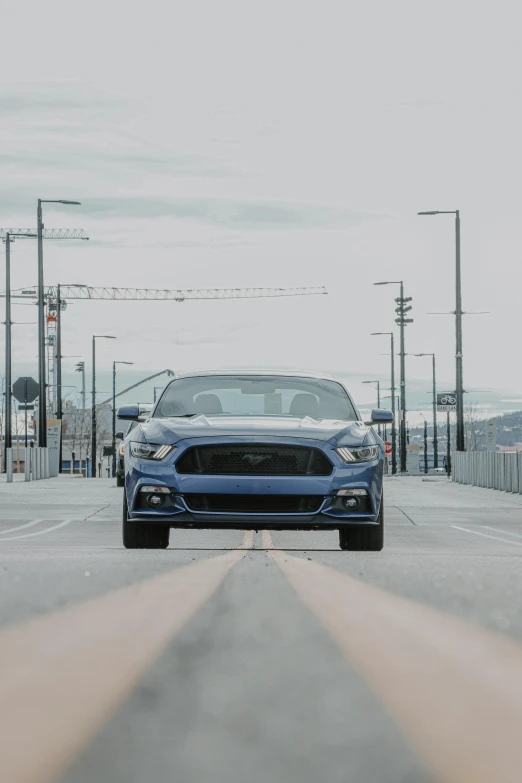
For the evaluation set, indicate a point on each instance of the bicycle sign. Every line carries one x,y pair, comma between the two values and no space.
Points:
446,401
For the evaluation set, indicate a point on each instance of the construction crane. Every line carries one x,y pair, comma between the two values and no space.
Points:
131,294
48,233
162,294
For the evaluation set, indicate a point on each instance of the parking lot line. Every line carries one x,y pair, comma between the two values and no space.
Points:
41,532
32,523
486,535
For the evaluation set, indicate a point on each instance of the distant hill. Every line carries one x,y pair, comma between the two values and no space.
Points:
509,431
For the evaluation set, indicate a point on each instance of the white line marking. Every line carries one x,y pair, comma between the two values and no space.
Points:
42,532
32,523
504,532
484,535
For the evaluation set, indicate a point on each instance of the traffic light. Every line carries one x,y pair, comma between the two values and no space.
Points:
80,367
401,310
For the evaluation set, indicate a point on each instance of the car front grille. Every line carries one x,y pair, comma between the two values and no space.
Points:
254,460
255,504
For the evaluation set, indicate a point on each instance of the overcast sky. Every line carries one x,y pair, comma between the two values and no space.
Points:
277,143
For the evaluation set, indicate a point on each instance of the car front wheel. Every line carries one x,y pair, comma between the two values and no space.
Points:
369,538
143,535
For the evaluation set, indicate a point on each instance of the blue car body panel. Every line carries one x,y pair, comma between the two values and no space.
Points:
206,430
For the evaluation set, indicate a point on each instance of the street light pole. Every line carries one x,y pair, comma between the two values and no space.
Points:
434,403
458,329
425,444
459,379
8,439
93,410
392,388
114,415
377,383
42,401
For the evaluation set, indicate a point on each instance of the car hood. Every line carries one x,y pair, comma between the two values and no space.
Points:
335,431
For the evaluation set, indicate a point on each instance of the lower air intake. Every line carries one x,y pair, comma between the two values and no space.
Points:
255,504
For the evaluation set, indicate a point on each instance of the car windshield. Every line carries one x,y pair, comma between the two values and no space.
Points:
255,395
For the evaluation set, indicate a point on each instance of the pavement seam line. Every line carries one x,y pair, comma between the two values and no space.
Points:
406,515
90,658
439,676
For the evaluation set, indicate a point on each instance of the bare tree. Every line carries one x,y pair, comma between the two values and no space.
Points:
474,435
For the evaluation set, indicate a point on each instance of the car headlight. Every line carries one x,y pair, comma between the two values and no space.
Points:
360,454
122,449
149,450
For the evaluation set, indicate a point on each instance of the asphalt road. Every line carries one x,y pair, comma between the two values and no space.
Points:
232,657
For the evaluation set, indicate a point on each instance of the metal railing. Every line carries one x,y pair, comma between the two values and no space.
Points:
493,470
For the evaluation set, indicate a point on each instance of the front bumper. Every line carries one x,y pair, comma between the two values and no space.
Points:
329,516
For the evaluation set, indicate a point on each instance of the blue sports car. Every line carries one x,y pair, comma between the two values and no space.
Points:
253,450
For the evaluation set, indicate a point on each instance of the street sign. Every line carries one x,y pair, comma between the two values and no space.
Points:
54,432
29,407
387,448
25,389
446,401
491,435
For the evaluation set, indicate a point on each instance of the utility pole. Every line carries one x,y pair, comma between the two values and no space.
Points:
401,320
402,308
114,415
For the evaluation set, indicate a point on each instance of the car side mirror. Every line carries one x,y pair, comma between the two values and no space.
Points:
120,436
380,416
128,413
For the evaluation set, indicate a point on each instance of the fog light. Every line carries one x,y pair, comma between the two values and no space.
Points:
351,503
155,501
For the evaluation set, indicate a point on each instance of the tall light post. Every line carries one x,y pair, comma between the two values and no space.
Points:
8,439
80,367
401,320
93,412
459,385
392,388
378,385
42,400
434,383
114,415
425,443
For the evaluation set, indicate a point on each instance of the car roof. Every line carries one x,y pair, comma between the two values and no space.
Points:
279,373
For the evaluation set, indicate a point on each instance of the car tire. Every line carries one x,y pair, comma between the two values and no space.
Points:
143,535
120,481
369,538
